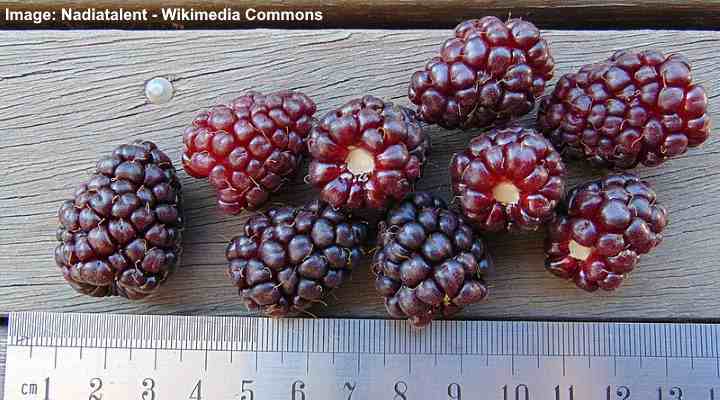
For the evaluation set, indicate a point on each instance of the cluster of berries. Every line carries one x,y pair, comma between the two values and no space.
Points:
121,233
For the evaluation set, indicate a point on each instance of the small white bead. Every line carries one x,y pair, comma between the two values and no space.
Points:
159,90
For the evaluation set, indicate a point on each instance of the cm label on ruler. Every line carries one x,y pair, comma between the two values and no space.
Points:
53,356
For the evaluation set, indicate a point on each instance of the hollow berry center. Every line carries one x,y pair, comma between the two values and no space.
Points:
578,251
360,161
506,193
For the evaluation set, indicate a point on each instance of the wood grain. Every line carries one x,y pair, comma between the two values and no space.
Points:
71,96
573,14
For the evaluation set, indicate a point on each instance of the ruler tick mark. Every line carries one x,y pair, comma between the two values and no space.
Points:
55,359
155,360
130,354
614,366
206,359
105,358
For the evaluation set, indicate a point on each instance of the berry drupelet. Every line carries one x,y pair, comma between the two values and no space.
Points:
287,259
428,261
604,228
121,234
488,73
249,148
367,153
508,179
634,108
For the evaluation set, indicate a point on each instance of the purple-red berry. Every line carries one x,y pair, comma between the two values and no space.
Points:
634,108
604,228
508,179
121,234
249,148
428,262
489,72
287,259
367,153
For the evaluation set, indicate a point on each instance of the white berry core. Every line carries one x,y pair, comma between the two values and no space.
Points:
360,161
578,251
159,90
506,193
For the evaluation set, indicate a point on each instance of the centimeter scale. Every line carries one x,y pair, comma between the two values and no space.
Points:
108,357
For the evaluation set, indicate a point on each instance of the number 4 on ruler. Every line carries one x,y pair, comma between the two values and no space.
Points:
196,394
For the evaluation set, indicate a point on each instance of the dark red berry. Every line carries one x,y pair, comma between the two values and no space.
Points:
249,148
634,108
367,153
509,178
121,234
488,73
604,227
287,259
428,261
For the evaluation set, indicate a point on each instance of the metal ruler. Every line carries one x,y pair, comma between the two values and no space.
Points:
108,357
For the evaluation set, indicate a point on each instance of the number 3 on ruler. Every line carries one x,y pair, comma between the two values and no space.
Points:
149,392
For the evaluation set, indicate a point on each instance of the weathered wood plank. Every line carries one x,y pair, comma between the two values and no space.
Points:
69,96
573,14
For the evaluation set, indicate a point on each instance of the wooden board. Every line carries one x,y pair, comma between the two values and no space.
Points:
71,96
573,14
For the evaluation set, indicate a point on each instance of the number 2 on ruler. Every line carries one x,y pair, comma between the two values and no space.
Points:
96,385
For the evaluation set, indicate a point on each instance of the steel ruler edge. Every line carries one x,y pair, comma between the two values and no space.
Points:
672,361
